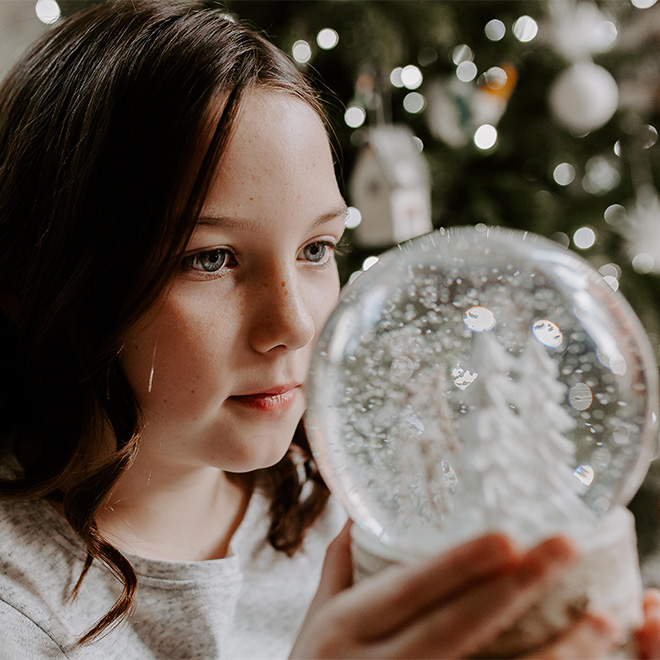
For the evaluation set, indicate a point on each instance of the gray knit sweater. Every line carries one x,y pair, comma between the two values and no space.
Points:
248,605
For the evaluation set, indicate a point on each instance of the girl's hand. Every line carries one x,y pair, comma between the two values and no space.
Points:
648,636
449,606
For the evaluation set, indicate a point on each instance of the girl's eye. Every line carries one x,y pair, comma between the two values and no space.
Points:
316,253
208,261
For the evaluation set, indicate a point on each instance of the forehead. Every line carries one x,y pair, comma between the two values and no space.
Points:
279,147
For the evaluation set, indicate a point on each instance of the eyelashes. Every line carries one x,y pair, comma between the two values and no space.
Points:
208,261
214,262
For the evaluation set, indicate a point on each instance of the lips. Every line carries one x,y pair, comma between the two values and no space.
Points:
275,399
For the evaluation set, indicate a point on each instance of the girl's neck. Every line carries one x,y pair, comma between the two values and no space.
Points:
187,515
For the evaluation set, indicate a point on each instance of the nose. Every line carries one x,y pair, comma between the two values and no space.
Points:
281,317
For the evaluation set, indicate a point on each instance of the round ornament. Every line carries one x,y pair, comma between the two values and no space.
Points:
481,379
584,97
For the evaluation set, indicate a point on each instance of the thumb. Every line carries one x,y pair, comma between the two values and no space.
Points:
337,573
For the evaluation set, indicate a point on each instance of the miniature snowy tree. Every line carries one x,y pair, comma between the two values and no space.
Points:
547,422
498,458
428,424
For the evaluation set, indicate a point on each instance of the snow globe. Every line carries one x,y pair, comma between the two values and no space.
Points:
480,379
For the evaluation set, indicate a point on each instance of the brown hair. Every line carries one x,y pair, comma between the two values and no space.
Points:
101,126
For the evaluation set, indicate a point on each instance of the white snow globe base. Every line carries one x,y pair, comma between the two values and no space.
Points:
606,579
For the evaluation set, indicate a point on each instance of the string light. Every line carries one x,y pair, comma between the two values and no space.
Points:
485,137
411,77
495,30
584,238
301,51
414,103
395,77
614,214
327,38
643,4
495,78
355,116
466,71
48,11
462,53
525,29
353,218
649,136
643,263
564,174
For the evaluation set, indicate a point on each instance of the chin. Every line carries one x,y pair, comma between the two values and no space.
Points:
252,462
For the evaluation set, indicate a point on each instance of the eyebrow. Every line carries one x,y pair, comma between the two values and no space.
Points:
227,222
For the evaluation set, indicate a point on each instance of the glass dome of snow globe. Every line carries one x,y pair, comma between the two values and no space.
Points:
477,379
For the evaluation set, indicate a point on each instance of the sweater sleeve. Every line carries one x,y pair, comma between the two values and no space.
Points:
22,639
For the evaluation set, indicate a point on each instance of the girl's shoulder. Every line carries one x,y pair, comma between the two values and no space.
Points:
39,560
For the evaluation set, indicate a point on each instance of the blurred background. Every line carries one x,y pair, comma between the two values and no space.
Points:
538,115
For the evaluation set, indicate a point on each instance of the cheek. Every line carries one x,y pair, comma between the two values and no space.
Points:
168,359
325,303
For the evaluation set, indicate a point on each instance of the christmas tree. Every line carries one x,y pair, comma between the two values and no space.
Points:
522,68
540,115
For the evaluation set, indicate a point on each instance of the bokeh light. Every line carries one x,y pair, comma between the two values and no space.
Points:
614,214
411,77
485,137
48,11
643,263
414,103
327,38
466,71
355,116
301,51
395,77
495,30
525,29
564,174
649,136
462,53
584,238
495,78
353,218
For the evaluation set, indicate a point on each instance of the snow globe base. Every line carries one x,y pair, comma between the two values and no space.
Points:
606,579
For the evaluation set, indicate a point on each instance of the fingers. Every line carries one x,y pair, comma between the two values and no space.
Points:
590,638
648,636
464,625
337,572
400,594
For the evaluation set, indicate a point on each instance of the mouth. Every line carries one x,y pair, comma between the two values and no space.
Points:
275,399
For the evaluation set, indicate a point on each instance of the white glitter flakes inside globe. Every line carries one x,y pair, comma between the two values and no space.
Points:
479,379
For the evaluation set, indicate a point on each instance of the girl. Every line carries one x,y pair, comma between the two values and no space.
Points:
169,216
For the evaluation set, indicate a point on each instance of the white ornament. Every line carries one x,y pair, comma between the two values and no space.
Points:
584,97
580,29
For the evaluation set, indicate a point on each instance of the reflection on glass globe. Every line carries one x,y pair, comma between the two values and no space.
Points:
478,379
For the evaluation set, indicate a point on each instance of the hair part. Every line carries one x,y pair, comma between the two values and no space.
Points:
111,127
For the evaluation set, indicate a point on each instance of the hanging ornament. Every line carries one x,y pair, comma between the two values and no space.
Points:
457,108
584,97
391,185
579,30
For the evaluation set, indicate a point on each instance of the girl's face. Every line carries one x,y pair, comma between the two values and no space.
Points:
218,366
